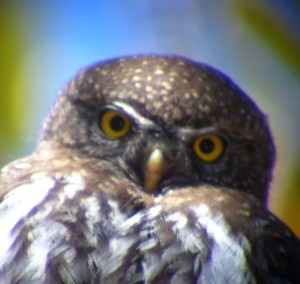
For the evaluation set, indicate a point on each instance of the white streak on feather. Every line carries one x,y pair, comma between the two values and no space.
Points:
93,216
154,212
45,238
16,206
116,217
122,241
179,219
118,250
227,253
188,235
74,183
22,166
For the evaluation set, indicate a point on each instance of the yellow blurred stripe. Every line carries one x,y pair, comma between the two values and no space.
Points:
11,52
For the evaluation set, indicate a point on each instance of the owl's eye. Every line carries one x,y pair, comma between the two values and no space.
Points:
209,147
114,124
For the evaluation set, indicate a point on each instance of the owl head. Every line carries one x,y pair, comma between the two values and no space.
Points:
164,122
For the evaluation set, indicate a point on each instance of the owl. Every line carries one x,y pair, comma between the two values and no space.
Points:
148,169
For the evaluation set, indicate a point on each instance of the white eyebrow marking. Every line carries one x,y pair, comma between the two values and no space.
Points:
186,133
133,113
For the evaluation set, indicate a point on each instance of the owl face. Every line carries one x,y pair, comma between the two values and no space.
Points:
164,122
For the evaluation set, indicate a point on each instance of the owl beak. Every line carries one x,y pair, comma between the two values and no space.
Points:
154,170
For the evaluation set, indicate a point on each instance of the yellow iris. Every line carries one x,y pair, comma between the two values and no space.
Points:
114,124
209,147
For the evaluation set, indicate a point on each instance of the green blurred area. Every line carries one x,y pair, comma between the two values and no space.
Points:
273,31
265,23
11,122
260,21
289,209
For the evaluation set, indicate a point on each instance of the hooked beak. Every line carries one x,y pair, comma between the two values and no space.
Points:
154,170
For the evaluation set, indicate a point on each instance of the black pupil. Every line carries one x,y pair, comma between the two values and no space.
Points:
117,123
207,146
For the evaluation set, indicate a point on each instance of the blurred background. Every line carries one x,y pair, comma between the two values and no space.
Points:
255,42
